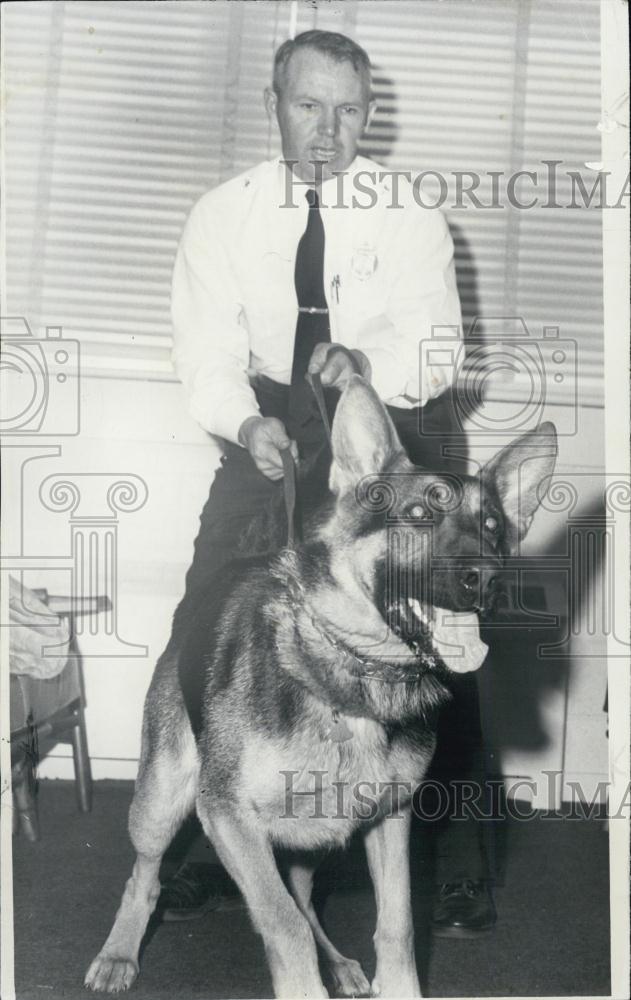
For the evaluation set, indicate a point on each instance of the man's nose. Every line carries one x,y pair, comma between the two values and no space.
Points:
327,124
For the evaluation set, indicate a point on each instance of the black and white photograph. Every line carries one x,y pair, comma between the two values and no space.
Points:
315,499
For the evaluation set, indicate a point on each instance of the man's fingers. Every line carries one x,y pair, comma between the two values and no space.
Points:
279,440
337,365
275,435
318,358
341,364
271,473
269,459
269,463
269,438
269,454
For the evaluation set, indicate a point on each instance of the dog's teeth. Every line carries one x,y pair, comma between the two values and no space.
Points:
420,612
416,608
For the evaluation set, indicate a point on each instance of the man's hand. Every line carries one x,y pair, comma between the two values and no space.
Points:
265,438
335,364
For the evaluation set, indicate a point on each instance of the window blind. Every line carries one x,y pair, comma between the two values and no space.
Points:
132,109
501,86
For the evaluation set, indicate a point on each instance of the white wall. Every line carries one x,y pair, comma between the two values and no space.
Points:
142,428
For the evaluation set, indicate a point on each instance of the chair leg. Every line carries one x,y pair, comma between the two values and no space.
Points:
82,770
25,802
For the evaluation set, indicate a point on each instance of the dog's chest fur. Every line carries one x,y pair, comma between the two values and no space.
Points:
311,791
268,726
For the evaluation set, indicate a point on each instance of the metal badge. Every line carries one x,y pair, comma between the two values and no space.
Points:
364,262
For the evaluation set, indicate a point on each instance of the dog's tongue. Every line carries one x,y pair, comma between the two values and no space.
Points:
457,640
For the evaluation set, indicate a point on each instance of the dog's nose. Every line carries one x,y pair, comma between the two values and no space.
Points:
470,578
478,582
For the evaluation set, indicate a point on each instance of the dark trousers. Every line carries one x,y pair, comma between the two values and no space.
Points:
239,492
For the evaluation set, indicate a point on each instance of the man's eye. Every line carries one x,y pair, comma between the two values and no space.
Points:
308,106
349,109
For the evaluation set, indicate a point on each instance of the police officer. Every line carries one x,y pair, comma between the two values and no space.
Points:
321,247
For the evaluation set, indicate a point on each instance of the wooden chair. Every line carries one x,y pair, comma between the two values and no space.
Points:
45,713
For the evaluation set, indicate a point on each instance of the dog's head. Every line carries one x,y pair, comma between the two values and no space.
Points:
421,542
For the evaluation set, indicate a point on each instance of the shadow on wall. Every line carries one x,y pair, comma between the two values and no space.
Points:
379,145
530,665
383,133
521,679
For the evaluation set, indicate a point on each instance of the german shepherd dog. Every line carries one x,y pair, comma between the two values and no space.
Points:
313,668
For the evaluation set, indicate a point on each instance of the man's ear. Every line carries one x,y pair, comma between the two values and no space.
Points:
521,474
363,439
270,100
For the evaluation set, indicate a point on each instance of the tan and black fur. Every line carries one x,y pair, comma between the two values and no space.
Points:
281,649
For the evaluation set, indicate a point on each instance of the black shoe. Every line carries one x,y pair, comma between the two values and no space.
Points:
463,909
196,889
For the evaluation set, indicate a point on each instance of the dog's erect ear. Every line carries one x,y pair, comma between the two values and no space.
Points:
364,440
521,473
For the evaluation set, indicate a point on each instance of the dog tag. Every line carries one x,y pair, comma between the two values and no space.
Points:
339,731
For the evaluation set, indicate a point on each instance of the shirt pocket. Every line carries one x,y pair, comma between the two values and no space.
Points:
363,290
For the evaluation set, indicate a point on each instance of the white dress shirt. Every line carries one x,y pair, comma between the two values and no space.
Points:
388,276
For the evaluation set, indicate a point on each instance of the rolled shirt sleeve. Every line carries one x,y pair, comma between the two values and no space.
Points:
211,350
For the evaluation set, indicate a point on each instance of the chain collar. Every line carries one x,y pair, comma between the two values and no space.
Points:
363,667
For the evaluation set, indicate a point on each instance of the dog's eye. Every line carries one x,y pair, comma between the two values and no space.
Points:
491,524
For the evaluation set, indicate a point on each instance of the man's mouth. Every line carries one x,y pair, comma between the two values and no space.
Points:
323,153
454,635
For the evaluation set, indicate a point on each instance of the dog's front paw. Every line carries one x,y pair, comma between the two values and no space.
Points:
110,975
399,990
348,979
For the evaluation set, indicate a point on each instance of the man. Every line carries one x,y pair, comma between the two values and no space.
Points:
274,268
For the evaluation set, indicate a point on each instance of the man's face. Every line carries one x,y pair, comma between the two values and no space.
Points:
322,111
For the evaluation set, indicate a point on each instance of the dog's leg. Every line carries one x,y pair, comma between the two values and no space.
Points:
165,792
289,944
388,850
347,975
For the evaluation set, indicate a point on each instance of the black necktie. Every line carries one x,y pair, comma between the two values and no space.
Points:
313,317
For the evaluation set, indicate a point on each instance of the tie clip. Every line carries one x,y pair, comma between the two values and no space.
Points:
313,310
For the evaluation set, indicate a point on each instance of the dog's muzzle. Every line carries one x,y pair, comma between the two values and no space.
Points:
478,584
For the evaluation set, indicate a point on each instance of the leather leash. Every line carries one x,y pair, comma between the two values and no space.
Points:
289,490
289,465
316,385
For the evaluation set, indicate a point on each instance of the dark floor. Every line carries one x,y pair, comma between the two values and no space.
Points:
552,936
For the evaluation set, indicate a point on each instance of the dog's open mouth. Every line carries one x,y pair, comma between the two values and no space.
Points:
454,635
